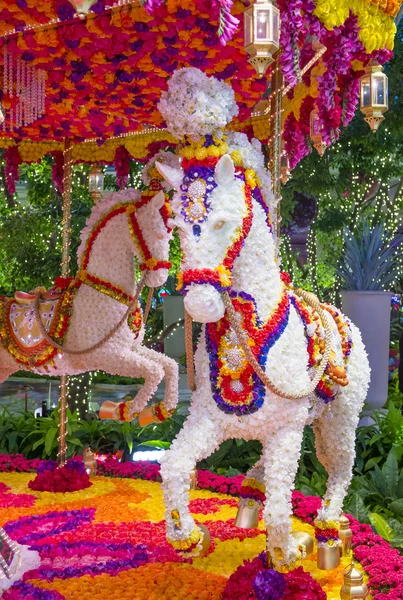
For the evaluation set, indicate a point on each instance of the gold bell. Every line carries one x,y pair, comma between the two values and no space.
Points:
193,479
353,586
247,516
345,535
328,556
89,462
206,540
303,538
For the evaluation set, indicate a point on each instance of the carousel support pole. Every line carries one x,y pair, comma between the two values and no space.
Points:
275,146
61,455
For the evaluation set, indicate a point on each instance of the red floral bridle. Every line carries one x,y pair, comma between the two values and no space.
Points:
221,276
147,261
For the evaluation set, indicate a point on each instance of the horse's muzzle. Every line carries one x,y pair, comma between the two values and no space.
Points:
204,303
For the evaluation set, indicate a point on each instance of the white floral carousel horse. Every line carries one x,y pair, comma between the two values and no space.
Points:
259,373
94,321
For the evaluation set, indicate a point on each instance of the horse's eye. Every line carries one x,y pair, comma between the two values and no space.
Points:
219,225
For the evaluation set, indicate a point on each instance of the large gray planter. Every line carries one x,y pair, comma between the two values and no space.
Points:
370,312
174,345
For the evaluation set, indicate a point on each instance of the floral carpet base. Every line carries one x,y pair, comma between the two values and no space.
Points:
108,541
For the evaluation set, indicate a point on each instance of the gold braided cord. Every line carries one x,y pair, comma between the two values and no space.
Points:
190,365
148,305
103,341
312,301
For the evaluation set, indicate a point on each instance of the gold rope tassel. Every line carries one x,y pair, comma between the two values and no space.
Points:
312,301
189,351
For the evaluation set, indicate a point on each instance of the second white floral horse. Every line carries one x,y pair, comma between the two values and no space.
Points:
93,321
222,210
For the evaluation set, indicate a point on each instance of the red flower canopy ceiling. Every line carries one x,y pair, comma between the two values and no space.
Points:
104,74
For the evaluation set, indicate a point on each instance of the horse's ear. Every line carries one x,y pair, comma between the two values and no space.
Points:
170,174
158,200
225,171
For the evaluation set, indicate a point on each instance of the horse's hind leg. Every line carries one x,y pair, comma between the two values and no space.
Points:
335,435
281,454
133,364
171,371
198,438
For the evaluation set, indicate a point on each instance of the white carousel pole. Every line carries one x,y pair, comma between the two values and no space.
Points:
66,223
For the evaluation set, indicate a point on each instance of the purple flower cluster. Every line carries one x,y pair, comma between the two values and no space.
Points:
269,584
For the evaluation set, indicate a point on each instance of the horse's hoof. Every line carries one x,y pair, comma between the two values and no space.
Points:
205,545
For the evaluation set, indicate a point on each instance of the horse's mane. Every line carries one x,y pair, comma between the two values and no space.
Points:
102,208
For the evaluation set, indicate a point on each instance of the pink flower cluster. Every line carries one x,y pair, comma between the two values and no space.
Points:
122,166
298,584
12,161
11,463
8,500
69,478
58,170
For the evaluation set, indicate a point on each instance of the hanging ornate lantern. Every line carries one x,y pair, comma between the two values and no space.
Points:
374,94
353,586
316,133
82,7
262,34
96,183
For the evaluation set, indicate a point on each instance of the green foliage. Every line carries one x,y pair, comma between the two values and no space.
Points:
30,232
37,437
368,261
236,455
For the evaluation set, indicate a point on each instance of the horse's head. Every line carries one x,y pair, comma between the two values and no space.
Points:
152,235
213,213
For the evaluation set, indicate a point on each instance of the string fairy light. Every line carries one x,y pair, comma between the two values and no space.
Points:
66,226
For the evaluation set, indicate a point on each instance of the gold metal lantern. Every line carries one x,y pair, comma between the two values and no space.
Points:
96,183
262,34
353,586
374,94
316,133
82,7
345,535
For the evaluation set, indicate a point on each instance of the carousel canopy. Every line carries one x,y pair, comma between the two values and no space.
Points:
97,81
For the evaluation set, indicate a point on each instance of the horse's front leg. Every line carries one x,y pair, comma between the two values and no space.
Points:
171,371
198,438
280,455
